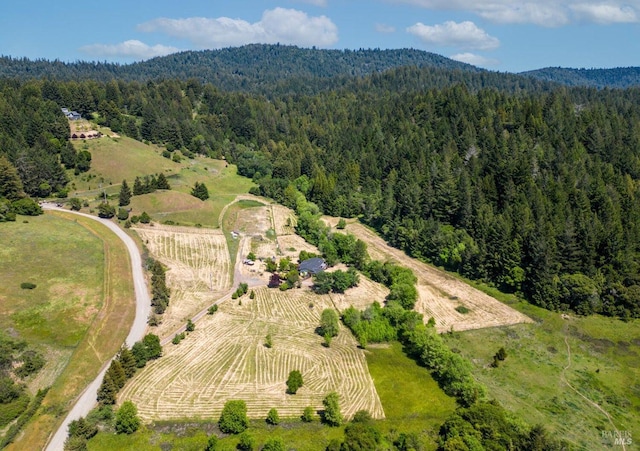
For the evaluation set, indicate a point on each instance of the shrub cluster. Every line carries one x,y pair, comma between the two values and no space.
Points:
240,291
336,281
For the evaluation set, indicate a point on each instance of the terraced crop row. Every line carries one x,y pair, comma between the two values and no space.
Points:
225,358
199,268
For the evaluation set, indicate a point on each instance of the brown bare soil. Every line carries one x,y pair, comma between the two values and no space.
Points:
225,358
199,269
439,293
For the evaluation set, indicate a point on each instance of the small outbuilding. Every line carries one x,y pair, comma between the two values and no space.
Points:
312,266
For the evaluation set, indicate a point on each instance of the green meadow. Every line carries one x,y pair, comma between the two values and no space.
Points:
66,263
533,381
117,159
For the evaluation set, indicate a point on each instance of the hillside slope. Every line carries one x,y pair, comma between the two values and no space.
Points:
244,68
619,77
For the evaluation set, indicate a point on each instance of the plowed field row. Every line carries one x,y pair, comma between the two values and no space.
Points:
225,358
439,293
199,268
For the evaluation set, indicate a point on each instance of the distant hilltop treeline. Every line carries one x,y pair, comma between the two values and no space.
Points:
620,77
265,68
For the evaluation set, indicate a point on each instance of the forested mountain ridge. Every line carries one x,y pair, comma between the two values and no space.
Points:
620,77
279,69
248,68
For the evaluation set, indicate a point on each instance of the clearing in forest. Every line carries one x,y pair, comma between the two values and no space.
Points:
199,269
439,294
226,358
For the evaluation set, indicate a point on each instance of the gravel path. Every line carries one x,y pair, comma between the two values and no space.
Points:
87,399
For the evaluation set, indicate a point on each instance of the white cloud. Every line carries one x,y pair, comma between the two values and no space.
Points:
129,49
476,60
605,13
383,28
286,26
465,35
547,13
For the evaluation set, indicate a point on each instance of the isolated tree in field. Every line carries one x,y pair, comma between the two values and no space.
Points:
272,417
332,415
329,323
124,198
123,214
274,444
200,191
307,414
145,218
127,421
233,419
294,382
190,326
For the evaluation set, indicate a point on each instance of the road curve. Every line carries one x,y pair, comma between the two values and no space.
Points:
87,399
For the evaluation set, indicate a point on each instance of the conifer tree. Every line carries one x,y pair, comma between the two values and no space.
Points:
138,188
125,194
128,362
162,182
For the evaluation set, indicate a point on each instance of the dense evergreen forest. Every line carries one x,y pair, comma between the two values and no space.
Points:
252,68
282,69
528,187
619,77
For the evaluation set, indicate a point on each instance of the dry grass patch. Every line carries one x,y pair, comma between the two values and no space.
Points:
439,294
284,220
101,338
361,296
225,358
199,269
291,245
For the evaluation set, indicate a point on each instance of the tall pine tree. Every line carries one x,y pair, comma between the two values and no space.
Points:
125,194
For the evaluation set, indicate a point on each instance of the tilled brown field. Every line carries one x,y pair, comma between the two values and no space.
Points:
199,269
439,293
225,358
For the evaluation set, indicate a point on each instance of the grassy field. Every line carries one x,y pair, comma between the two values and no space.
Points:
604,367
411,399
192,436
66,262
117,159
83,293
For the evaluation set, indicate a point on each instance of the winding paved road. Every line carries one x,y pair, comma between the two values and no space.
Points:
87,399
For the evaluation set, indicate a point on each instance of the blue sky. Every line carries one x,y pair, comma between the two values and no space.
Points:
502,35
